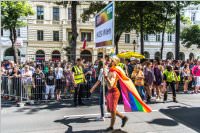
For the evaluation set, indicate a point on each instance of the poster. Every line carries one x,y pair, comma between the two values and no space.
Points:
104,27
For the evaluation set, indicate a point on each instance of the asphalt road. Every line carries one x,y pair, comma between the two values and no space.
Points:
167,117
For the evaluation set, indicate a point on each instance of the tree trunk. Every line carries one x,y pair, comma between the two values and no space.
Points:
117,37
13,38
177,44
163,37
141,33
162,45
74,30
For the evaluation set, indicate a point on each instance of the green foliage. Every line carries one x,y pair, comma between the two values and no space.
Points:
94,8
191,36
14,12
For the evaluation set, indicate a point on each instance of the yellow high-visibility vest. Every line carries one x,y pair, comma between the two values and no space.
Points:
170,76
78,75
121,65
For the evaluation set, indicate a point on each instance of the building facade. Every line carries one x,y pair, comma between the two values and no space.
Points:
49,32
152,43
6,52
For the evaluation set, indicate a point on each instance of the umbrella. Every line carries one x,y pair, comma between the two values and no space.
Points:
130,54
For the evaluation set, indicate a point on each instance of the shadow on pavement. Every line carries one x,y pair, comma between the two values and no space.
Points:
164,122
187,116
67,122
52,106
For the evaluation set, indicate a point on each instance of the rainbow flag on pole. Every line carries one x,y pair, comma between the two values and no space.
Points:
131,98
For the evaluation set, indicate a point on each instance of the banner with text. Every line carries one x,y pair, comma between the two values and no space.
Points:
104,24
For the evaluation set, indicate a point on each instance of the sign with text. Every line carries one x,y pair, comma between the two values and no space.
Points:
104,27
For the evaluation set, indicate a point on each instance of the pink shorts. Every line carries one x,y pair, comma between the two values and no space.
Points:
112,99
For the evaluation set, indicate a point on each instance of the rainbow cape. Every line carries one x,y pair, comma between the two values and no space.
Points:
131,98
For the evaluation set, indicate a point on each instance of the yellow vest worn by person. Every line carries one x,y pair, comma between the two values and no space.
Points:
170,76
78,75
121,65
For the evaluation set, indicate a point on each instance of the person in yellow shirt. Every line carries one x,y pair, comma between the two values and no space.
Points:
78,80
138,77
170,80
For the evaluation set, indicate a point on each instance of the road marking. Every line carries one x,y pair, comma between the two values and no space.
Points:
84,115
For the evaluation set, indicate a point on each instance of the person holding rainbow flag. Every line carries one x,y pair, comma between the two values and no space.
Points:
131,98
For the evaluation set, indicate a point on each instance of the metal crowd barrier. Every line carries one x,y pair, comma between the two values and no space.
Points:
21,89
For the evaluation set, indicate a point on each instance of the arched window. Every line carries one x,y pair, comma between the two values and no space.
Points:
10,52
170,55
191,56
157,55
147,55
40,56
181,56
86,55
56,55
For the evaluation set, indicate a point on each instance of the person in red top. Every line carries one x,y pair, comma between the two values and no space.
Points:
196,74
113,95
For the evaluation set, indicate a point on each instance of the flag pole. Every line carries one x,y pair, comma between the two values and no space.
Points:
104,52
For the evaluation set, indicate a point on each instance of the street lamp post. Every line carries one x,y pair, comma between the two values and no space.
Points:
134,44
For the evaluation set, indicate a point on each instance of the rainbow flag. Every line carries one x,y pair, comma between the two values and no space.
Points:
131,97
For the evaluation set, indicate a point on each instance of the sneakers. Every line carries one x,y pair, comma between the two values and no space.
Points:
100,119
174,100
109,129
124,120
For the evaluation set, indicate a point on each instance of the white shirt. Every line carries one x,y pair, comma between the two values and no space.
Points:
27,79
59,73
100,77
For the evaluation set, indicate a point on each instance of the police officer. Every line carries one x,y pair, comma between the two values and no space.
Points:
170,80
78,80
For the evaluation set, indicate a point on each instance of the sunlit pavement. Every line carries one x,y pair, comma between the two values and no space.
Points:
182,117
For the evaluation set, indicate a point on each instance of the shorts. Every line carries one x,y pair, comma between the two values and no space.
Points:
197,81
112,99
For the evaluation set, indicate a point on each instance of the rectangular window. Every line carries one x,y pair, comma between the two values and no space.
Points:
40,35
86,35
56,13
157,37
127,38
169,37
55,35
193,17
69,36
18,33
84,9
146,38
1,31
69,13
40,12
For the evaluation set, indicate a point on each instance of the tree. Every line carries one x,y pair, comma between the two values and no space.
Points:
130,15
145,14
191,36
167,9
121,14
12,17
73,43
180,5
